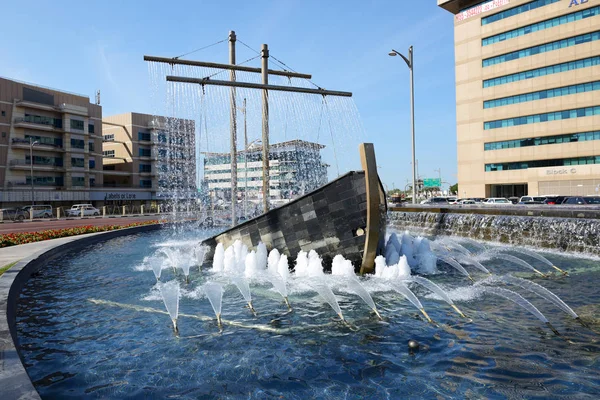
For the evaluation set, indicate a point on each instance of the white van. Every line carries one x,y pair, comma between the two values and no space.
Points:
39,211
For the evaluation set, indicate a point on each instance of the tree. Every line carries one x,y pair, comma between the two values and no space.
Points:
454,188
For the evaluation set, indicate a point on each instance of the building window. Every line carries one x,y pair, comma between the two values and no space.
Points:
547,24
77,162
3,113
145,136
561,162
549,70
77,144
91,128
530,51
78,181
92,182
108,138
91,146
543,140
546,117
76,124
92,164
42,120
109,167
45,180
3,134
145,168
108,153
44,161
516,11
162,137
543,94
145,183
145,152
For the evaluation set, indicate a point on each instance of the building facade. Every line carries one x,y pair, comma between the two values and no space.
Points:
52,139
150,154
527,96
295,168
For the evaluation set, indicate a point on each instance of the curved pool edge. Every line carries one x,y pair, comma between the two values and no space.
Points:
14,380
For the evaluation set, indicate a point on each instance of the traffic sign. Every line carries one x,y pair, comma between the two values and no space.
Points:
432,182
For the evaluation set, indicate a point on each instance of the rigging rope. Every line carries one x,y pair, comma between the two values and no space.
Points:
201,48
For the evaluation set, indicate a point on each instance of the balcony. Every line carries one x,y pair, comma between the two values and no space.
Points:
25,164
43,144
40,123
35,184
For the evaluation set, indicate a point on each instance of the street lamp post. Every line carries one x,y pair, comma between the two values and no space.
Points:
410,63
31,144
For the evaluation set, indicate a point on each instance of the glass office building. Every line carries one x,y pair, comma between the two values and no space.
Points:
527,96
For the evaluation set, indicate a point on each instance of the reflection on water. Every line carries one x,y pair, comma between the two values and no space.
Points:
74,347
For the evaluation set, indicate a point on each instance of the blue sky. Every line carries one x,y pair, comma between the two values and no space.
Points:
82,46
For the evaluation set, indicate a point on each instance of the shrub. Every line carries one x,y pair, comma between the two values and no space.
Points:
13,239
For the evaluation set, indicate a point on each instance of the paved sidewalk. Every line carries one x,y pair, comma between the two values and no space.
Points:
11,254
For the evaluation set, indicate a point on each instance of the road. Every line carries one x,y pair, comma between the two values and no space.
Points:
35,226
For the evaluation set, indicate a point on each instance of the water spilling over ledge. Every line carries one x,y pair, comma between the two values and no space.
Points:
577,232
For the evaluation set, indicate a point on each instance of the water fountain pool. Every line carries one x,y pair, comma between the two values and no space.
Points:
104,331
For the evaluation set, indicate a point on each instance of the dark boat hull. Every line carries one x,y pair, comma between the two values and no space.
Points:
330,220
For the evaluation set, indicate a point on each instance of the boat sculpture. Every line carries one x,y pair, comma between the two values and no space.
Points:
346,216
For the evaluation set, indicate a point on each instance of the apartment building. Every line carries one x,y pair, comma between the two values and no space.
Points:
295,168
148,157
50,138
527,96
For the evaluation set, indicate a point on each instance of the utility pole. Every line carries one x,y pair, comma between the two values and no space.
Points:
265,126
233,124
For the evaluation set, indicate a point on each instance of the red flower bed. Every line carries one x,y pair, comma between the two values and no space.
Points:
13,239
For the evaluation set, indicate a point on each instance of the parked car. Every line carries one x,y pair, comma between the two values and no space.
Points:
465,201
582,200
498,201
553,200
39,211
439,201
513,200
87,210
529,200
14,214
478,199
452,200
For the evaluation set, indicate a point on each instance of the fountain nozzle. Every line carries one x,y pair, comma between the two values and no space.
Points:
565,273
458,311
175,328
540,273
341,317
287,303
378,315
553,329
219,320
251,308
426,316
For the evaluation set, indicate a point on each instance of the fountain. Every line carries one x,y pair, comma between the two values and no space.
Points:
156,265
170,294
521,301
214,292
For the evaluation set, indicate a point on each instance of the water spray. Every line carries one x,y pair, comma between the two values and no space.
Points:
458,311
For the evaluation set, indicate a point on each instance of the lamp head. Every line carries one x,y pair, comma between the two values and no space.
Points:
393,53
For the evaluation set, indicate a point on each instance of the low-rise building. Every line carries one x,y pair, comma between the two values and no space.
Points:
50,145
295,168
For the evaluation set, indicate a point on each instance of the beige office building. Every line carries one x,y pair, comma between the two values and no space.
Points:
51,137
527,96
139,149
